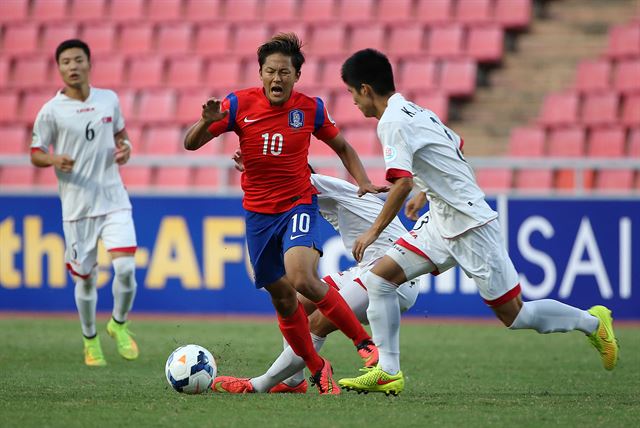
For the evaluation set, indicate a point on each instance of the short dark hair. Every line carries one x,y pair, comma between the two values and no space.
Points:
371,67
285,43
72,43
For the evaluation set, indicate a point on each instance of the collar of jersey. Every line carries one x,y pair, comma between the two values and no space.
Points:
284,106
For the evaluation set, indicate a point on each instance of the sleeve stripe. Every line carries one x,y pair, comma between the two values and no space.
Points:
233,110
319,119
394,173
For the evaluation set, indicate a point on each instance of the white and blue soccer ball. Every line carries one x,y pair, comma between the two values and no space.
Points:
190,369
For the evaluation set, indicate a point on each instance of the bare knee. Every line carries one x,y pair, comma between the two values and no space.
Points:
507,312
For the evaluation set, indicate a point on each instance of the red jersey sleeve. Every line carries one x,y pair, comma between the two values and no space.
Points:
324,128
225,125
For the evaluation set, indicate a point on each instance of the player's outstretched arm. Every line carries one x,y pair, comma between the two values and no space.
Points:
42,159
198,135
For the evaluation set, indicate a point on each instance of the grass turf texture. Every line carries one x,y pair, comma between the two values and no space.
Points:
457,375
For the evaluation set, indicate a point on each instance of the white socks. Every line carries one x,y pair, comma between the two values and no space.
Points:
384,318
550,316
287,368
86,297
124,287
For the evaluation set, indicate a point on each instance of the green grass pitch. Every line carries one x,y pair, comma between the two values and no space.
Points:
461,375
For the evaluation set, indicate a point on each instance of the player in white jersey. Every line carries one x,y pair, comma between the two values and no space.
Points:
81,133
459,229
350,216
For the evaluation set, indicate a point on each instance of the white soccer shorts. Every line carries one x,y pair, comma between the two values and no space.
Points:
81,239
480,253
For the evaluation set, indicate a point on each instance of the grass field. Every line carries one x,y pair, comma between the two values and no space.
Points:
457,375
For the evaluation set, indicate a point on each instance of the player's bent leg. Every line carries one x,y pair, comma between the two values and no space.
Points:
124,291
86,298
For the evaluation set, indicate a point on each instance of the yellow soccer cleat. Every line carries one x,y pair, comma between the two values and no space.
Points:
604,339
375,380
127,347
93,355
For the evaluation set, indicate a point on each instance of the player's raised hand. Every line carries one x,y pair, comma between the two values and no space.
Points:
415,204
211,110
122,153
372,188
361,244
237,158
62,162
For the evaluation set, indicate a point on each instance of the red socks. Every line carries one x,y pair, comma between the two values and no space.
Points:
335,308
295,328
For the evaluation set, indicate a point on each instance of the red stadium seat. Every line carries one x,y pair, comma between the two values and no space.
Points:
631,110
20,38
356,11
367,36
101,37
32,102
4,72
435,11
14,140
364,140
173,176
624,41
189,106
207,177
31,72
607,142
346,111
203,10
55,33
319,148
279,11
527,142
163,140
446,42
560,109
127,10
9,102
164,10
313,11
474,11
434,101
136,38
88,10
331,78
633,150
600,109
242,10
513,14
128,104
13,10
213,39
395,11
135,136
418,74
136,177
46,178
157,106
485,44
17,176
175,38
223,74
328,40
566,142
228,143
493,180
145,72
184,72
614,180
407,39
247,38
534,180
107,71
627,76
458,78
593,75
310,77
49,10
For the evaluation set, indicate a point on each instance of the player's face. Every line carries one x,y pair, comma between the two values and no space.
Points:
278,77
363,100
74,67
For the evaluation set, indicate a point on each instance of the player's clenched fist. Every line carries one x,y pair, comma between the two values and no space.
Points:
211,110
62,162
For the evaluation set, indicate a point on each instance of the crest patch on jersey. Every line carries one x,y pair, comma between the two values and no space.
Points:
389,153
296,118
107,119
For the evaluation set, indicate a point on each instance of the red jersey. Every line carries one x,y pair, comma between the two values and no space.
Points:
274,141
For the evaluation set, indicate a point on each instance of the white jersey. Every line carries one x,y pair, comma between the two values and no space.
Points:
351,215
415,142
84,130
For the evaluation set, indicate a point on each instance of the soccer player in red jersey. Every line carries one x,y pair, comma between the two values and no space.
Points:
275,124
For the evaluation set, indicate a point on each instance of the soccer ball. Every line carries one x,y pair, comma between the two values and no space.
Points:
190,369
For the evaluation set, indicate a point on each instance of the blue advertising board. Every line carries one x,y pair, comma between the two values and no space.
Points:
192,258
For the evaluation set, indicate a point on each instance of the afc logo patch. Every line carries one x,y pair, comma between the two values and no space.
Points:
296,119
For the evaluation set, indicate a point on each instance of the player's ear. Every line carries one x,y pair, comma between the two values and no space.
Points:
298,74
